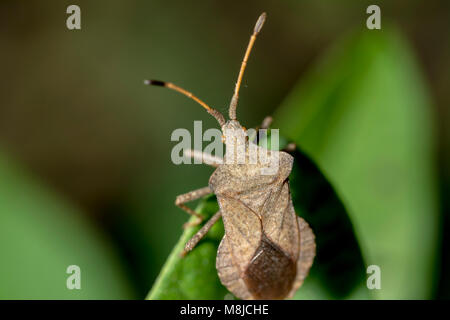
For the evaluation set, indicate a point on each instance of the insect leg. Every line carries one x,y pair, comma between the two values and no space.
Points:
266,123
200,234
191,196
204,157
290,147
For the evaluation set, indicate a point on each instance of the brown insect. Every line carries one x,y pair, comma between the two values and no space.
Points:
267,249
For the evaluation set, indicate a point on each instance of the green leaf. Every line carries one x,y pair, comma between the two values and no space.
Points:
195,275
338,251
363,115
41,235
339,269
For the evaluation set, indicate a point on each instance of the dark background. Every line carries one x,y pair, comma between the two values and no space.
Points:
77,121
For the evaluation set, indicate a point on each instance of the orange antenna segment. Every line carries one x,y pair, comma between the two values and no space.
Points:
234,99
216,114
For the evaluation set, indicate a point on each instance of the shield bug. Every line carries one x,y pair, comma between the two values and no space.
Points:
267,250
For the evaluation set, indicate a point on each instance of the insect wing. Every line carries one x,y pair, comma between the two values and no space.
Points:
242,229
280,222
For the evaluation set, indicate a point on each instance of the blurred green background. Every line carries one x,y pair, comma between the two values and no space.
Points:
85,170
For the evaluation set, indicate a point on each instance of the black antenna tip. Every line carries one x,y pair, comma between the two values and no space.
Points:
155,83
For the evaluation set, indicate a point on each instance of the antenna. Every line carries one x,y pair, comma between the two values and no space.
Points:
216,114
234,99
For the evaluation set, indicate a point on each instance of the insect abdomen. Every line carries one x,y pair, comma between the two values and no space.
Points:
271,272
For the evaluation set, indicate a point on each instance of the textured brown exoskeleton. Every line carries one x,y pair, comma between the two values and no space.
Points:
267,249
